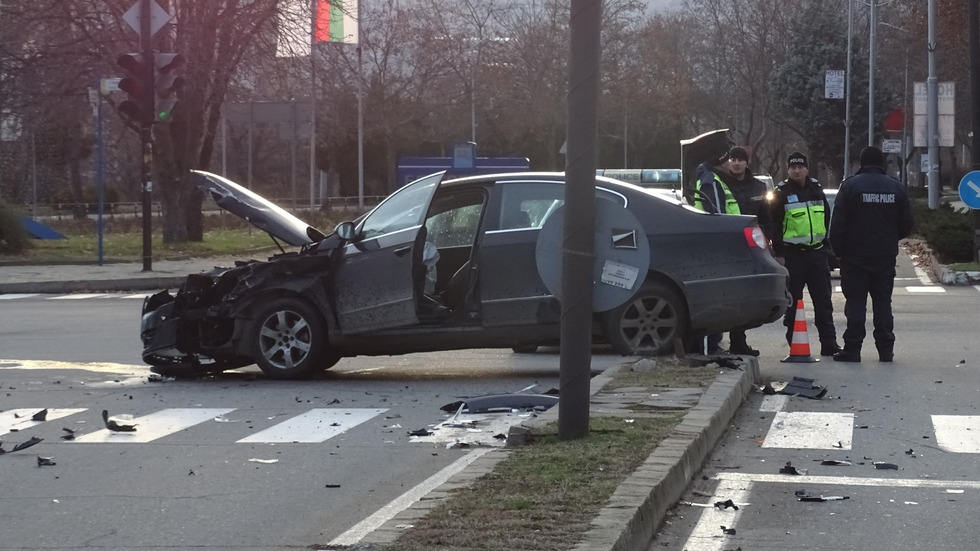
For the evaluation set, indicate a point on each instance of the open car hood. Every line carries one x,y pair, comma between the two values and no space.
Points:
256,209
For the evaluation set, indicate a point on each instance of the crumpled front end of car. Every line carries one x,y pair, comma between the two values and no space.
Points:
199,321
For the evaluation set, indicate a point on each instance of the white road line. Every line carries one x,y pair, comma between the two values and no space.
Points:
810,430
977,287
402,502
20,419
774,402
78,296
707,534
13,296
926,289
155,425
923,275
316,425
749,478
957,433
137,295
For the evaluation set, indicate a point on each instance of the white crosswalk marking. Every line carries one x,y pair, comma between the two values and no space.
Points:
155,425
12,296
78,296
926,289
22,418
957,433
316,425
810,430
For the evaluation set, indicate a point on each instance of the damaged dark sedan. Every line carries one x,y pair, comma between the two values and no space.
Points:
472,262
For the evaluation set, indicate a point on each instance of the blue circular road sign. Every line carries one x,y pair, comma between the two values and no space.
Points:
970,189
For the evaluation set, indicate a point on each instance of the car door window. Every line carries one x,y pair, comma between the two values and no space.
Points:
403,209
454,219
527,205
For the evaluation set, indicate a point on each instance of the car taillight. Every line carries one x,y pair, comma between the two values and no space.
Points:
755,238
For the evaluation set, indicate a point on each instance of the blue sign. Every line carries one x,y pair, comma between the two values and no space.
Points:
970,189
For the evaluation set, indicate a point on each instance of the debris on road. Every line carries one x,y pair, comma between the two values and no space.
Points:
881,465
41,415
790,469
728,531
726,504
802,386
503,403
21,446
836,462
45,461
117,423
823,498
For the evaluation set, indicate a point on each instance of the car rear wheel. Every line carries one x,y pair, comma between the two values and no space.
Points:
289,340
649,323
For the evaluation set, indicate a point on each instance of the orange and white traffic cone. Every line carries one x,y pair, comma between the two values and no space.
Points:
799,346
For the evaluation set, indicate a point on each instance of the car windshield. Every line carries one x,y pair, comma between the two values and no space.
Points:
403,209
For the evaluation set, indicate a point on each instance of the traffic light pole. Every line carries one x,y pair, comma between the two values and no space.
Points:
146,140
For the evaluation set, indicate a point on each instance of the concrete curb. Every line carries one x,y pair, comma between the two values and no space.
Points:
101,286
639,505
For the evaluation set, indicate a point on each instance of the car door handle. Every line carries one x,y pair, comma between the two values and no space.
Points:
403,251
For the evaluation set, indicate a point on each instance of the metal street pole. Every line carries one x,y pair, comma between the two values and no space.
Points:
872,38
578,243
847,94
974,24
146,140
932,109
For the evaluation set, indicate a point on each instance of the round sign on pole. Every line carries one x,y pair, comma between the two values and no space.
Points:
622,255
970,189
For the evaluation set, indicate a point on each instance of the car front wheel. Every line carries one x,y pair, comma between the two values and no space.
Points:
289,340
649,323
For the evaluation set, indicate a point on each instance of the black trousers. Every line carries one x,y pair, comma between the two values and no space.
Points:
858,280
811,269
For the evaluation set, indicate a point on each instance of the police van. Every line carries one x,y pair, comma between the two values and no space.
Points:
666,180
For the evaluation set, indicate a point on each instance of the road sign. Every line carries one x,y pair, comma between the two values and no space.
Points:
158,17
970,189
946,94
834,84
891,146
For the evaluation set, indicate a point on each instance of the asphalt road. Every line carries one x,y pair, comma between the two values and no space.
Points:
919,414
235,462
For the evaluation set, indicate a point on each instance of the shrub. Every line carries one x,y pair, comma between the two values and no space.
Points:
949,233
13,238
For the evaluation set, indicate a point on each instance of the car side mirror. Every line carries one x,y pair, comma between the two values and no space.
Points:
345,231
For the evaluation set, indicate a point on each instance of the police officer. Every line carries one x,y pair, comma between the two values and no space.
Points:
800,217
730,188
871,214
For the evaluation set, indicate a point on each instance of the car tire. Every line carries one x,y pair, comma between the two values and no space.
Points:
525,348
649,323
289,340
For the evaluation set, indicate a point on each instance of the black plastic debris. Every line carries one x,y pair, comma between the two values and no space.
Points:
22,445
45,461
420,432
40,416
790,469
769,390
116,425
728,531
824,498
802,386
726,504
910,452
836,462
69,434
881,465
503,403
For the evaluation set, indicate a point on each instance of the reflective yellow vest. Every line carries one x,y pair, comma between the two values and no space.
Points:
804,223
731,205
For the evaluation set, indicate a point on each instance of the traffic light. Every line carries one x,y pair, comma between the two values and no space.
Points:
166,83
139,106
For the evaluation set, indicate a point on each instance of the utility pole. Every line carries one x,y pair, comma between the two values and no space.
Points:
974,26
932,109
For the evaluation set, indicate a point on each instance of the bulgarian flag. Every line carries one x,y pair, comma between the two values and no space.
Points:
336,21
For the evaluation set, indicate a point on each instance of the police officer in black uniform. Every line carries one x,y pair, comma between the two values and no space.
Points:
800,215
871,214
750,194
